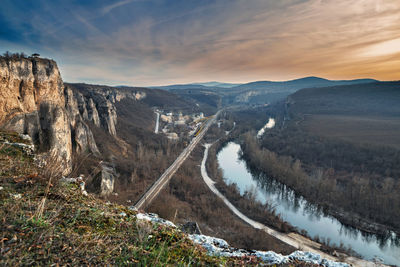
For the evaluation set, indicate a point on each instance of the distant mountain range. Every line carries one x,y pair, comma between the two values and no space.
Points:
307,82
261,85
258,92
218,84
206,85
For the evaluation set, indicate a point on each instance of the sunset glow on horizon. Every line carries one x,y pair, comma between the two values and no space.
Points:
158,42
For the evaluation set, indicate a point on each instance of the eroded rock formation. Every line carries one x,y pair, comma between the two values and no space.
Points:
59,117
32,102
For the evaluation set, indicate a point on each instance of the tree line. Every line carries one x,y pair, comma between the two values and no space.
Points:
367,193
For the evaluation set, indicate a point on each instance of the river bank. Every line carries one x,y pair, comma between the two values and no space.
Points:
292,239
347,218
303,214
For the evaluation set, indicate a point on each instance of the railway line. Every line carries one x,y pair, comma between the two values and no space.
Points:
158,185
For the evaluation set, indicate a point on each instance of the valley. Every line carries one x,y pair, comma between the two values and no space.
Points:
142,148
200,133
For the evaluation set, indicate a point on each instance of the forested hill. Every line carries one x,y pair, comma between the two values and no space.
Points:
293,85
380,98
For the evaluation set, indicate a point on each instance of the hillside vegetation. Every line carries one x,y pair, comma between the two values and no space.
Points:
46,221
372,99
259,92
338,147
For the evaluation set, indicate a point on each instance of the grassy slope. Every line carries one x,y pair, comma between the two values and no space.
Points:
73,229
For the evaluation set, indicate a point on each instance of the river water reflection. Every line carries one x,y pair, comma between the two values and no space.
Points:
302,214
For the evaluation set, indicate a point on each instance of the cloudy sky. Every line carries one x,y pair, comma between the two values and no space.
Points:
157,42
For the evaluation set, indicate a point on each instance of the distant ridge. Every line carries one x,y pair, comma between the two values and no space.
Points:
218,84
311,81
305,82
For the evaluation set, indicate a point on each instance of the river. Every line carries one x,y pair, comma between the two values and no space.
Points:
302,214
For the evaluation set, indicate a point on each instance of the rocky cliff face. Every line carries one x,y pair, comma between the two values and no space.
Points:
97,103
32,102
244,97
82,137
35,101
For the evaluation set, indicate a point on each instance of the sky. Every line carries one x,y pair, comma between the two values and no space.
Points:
160,42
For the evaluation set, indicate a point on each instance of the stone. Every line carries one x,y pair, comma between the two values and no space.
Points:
32,102
191,228
93,114
107,176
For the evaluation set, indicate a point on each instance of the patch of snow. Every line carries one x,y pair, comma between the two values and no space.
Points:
315,259
29,149
219,247
271,257
151,217
306,256
269,125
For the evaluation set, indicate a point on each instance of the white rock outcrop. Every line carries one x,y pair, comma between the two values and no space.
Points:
32,102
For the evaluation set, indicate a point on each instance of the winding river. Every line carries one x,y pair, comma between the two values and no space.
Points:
302,214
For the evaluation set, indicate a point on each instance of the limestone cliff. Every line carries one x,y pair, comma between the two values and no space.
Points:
97,103
59,117
32,102
82,137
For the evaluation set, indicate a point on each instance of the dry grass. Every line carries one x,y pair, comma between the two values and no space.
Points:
45,222
46,225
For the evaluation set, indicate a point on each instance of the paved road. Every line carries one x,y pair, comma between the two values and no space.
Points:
157,122
155,189
293,239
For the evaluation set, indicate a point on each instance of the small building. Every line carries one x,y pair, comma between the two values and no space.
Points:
179,122
172,136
